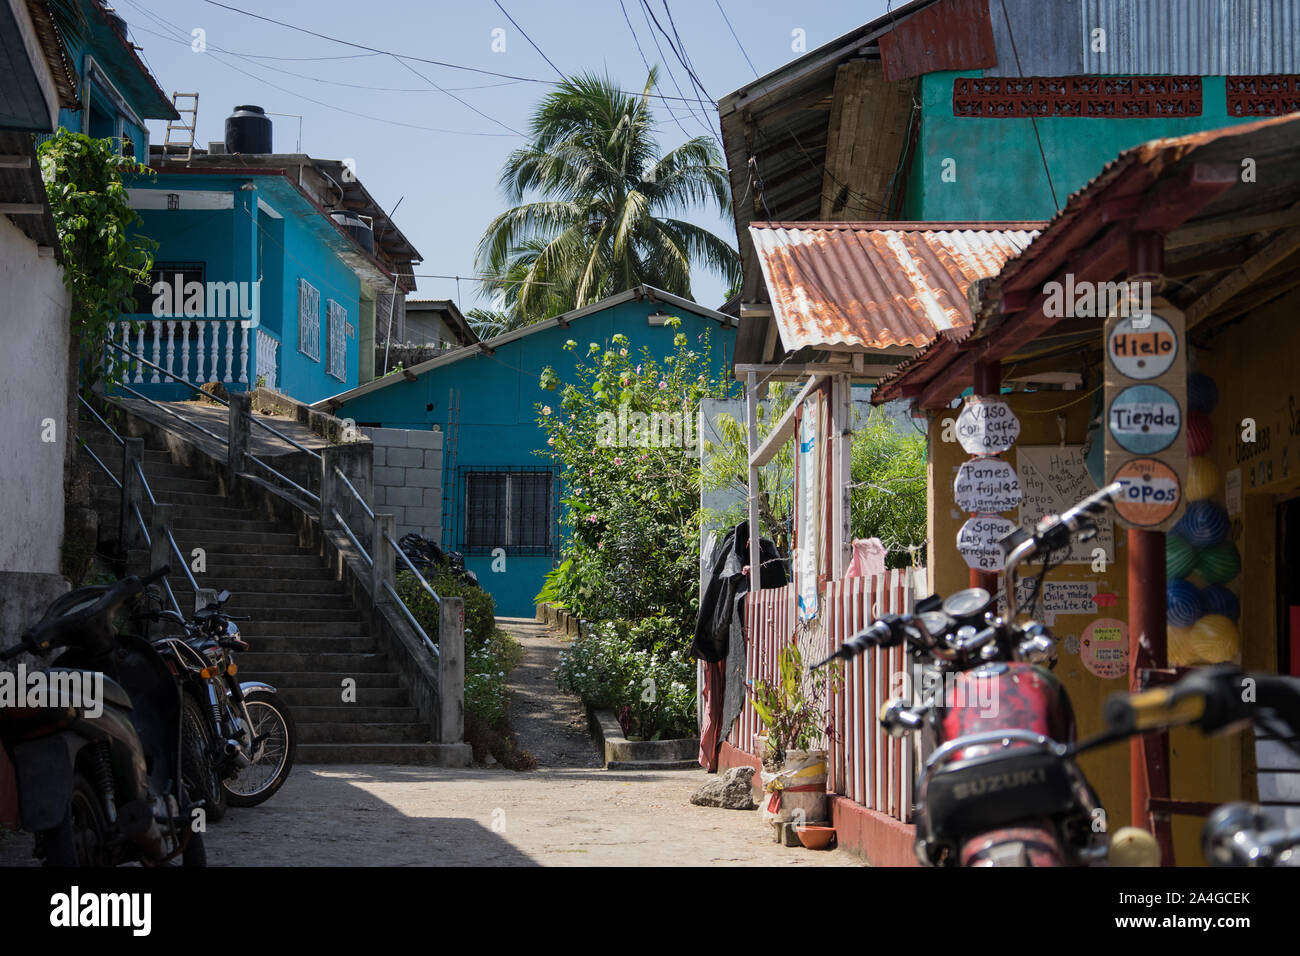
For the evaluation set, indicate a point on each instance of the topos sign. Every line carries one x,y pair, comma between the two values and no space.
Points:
987,426
986,486
1146,395
978,538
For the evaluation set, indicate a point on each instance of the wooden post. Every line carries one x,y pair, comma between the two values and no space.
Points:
988,381
451,670
385,556
237,432
755,531
1148,753
128,530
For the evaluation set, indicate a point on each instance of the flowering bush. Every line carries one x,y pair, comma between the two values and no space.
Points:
637,671
624,438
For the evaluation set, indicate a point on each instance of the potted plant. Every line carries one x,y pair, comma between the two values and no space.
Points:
792,710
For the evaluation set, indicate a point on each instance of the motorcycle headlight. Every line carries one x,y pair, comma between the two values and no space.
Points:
232,631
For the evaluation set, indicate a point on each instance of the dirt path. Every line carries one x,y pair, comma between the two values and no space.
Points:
550,724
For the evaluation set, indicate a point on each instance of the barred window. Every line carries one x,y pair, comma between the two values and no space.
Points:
509,509
337,365
308,320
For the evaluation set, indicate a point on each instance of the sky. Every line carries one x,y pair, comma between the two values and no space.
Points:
435,137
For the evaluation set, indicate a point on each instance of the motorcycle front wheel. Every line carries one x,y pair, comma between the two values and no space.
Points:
272,722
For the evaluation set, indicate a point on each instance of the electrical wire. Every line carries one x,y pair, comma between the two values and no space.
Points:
558,71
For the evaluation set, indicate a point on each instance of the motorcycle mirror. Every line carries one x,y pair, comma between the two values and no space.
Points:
223,597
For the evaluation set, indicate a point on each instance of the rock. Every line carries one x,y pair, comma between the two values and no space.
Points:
731,791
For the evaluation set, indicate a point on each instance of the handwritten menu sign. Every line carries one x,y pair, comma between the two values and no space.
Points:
987,426
1058,597
978,541
986,485
1052,479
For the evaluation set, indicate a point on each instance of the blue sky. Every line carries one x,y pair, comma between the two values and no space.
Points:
440,153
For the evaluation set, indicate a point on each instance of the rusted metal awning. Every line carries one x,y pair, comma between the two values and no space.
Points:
878,285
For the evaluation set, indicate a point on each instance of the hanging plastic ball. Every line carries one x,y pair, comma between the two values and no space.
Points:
1180,557
1219,563
1200,433
1215,639
1202,393
1203,523
1216,599
1183,602
1179,647
1202,478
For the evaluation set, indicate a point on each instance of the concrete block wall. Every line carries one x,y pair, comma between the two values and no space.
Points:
408,478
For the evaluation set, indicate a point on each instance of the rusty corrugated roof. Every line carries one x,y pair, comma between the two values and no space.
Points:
877,285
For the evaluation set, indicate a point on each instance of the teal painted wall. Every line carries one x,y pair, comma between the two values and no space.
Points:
247,243
498,421
999,172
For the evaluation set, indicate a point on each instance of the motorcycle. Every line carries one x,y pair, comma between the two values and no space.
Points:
239,737
1221,700
424,555
1001,787
97,773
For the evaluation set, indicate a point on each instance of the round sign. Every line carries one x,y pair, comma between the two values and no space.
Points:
1142,346
987,426
1150,494
987,486
1145,419
1103,646
978,538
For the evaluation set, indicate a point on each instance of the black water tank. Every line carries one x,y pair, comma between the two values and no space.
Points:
248,130
357,228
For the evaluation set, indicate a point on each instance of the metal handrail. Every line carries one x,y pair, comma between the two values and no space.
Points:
164,408
185,565
176,605
281,435
144,482
397,599
416,571
355,494
352,537
81,441
158,368
99,418
286,480
144,528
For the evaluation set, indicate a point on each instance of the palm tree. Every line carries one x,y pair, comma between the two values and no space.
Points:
605,217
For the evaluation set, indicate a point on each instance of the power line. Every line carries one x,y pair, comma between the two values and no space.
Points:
1032,119
727,21
646,13
637,41
467,105
558,71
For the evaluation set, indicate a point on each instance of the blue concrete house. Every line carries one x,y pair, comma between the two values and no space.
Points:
268,270
495,491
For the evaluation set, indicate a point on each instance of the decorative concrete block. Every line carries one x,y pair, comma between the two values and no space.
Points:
390,476
422,439
423,478
433,458
405,496
405,458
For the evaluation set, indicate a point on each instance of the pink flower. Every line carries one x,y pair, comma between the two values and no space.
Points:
592,519
663,385
638,369
618,461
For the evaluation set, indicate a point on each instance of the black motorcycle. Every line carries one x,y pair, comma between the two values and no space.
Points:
239,738
98,778
426,556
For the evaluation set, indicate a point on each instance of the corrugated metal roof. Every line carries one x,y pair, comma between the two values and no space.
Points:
878,285
1192,37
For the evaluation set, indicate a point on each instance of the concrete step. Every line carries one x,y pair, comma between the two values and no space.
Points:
283,606
427,755
353,732
210,538
247,589
338,625
250,565
311,644
162,485
327,698
189,520
356,713
346,664
291,681
111,452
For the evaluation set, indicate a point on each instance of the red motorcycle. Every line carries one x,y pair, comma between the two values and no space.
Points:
1001,786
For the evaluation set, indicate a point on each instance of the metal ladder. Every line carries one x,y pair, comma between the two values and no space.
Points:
183,142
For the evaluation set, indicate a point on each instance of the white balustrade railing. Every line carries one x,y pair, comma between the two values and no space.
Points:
207,342
267,367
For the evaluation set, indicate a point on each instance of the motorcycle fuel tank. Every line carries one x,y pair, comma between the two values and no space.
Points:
1006,696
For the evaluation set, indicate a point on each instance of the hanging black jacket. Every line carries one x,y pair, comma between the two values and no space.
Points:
726,584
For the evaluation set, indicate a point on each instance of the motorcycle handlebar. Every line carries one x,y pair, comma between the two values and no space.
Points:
885,632
1212,699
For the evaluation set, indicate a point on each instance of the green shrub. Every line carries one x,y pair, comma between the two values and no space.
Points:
480,609
637,670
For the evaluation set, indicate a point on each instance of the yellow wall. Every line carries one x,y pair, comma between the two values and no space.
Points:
1202,770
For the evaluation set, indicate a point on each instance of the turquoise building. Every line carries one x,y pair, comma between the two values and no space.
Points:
499,497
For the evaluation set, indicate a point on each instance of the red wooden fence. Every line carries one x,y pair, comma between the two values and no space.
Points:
866,764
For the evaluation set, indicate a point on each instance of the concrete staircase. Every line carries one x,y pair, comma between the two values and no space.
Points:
305,632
